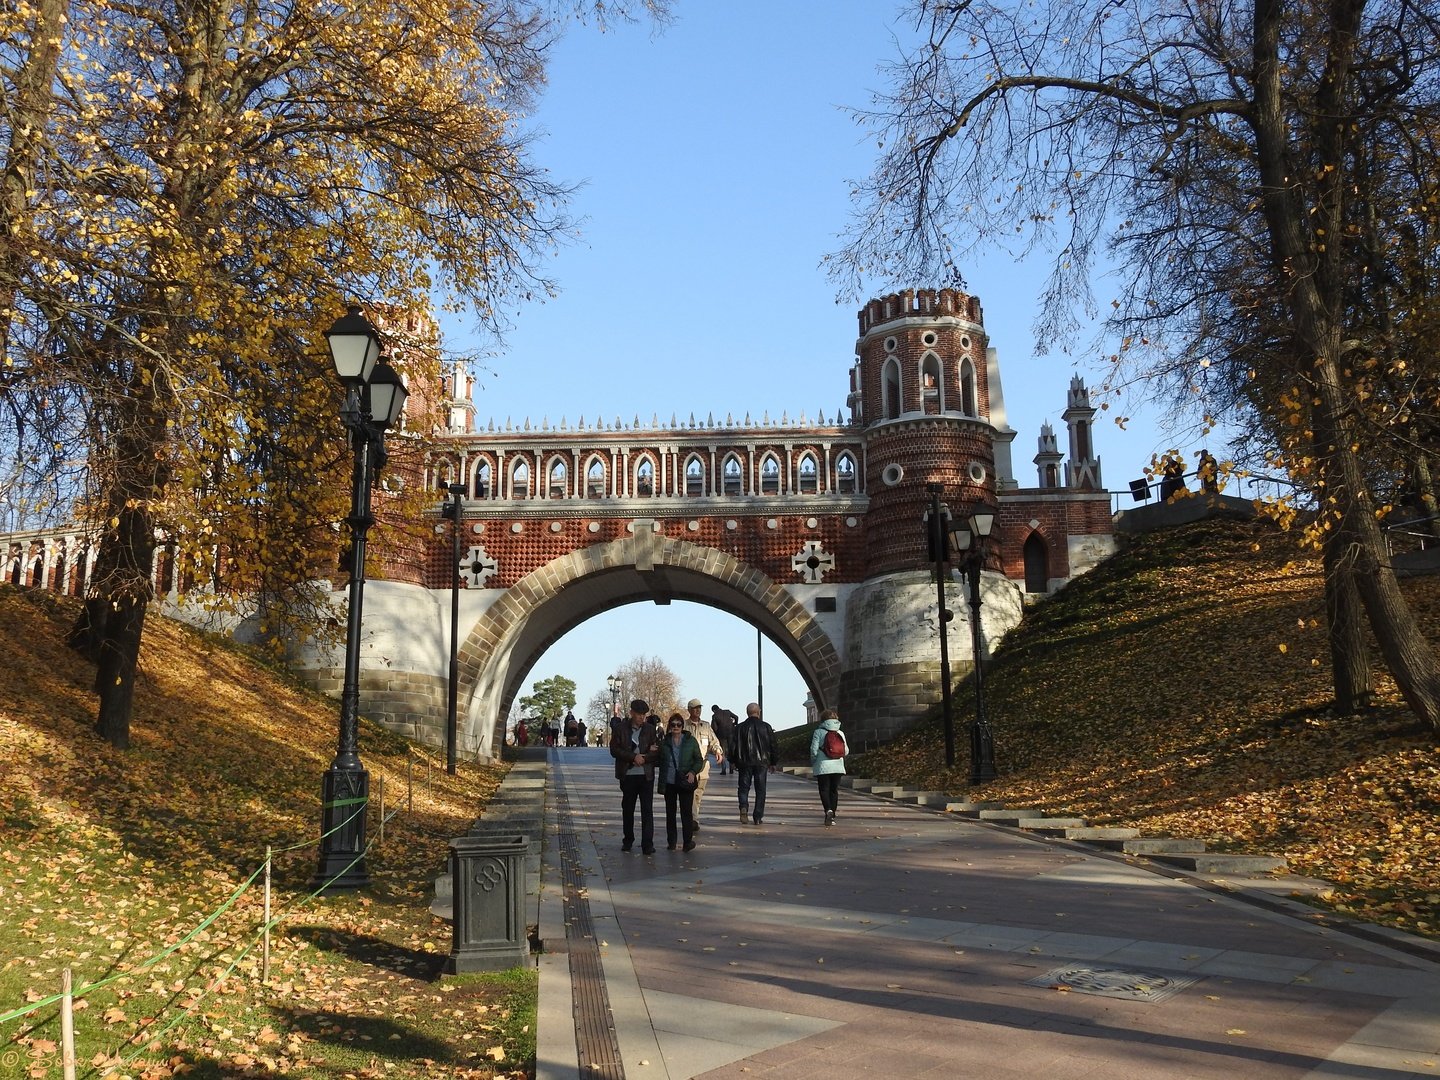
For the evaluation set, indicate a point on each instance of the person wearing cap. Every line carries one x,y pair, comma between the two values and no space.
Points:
678,772
709,743
753,749
634,745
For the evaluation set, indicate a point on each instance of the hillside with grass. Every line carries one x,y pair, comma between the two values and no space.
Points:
1183,687
140,871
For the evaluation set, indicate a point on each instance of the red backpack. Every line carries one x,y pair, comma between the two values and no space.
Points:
833,745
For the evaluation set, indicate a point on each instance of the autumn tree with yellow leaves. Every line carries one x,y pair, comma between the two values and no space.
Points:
192,191
1264,178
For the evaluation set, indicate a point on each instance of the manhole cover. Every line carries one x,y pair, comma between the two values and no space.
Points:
1113,982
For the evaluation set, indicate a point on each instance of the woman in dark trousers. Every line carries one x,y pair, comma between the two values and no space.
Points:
680,765
826,768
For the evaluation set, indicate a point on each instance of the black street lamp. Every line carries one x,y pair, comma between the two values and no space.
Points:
973,545
614,683
452,511
374,399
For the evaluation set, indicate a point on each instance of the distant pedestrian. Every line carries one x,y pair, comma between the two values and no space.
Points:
722,722
705,736
1207,469
752,748
580,733
828,749
679,772
522,733
1172,477
634,745
572,730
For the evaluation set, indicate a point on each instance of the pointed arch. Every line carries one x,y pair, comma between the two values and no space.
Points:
557,479
892,401
694,476
932,383
644,476
595,474
969,401
1036,553
732,474
846,482
808,474
769,474
482,478
520,479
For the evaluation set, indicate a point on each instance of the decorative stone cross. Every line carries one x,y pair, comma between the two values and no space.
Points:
812,561
476,566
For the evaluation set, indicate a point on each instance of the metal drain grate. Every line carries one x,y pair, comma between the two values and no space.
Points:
1113,982
594,1026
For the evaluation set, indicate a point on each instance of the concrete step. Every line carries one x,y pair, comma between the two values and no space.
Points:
1151,845
971,809
889,790
1098,832
798,770
1051,826
857,783
1008,817
1219,863
918,798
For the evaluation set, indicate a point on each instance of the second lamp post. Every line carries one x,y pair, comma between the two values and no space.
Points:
972,544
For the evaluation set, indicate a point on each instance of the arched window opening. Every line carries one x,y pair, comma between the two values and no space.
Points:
845,474
1037,562
809,476
932,384
595,479
770,476
733,476
558,477
37,572
891,399
645,478
520,481
482,481
969,404
694,477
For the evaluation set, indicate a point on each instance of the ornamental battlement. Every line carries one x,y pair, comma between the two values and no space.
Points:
729,426
920,303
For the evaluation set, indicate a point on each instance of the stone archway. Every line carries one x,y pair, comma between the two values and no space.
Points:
541,608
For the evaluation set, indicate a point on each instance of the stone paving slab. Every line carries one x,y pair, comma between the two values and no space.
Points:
899,943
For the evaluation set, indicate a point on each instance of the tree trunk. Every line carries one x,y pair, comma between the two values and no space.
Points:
1426,502
1349,652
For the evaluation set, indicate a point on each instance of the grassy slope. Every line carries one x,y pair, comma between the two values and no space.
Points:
107,859
1182,687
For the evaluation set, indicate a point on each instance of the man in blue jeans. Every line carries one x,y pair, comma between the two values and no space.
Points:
755,755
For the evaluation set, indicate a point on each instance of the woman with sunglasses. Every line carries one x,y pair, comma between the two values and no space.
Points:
680,765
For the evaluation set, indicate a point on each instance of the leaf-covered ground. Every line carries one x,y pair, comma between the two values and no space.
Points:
1183,687
111,864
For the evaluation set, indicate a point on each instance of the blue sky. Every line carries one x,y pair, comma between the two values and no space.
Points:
715,161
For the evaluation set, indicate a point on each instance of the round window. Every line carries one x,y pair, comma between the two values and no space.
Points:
977,472
929,337
892,474
890,344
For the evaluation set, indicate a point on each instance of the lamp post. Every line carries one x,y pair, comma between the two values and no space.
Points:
374,399
936,538
452,511
982,744
614,683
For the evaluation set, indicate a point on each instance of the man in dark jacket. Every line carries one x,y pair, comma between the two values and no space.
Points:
753,750
723,722
634,745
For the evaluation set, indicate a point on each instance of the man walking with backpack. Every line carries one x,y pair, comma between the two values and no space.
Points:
828,750
753,750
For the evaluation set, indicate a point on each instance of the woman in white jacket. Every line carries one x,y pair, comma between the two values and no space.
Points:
828,750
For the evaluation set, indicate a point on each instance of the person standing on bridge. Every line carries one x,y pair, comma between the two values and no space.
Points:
753,749
635,745
706,739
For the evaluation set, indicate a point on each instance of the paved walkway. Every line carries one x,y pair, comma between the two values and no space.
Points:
904,943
